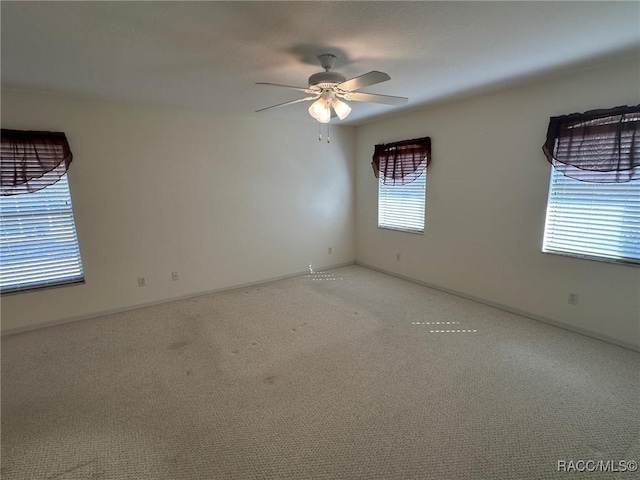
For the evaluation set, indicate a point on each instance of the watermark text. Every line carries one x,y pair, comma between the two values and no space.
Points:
613,466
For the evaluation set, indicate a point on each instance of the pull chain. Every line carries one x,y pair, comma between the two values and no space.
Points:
328,132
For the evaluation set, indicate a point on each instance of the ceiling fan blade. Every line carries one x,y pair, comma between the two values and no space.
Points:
302,89
364,80
375,98
289,103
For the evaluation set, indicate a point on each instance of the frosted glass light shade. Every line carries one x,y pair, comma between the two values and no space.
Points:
317,107
341,109
320,111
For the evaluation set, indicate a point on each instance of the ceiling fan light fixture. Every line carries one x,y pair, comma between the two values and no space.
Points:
341,108
320,110
317,108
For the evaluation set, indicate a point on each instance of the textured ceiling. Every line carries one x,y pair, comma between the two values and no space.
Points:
208,55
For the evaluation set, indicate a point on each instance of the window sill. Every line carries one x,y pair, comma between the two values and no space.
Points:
405,230
624,262
42,287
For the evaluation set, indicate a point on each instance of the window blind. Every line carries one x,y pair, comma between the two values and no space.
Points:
598,220
38,241
402,207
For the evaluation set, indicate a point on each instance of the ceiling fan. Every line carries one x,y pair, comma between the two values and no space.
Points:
329,88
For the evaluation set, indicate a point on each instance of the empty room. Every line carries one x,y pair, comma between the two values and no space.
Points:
320,240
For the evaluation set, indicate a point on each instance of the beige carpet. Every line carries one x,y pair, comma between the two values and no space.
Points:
347,374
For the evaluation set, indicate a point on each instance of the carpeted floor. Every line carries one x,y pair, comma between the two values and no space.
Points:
347,374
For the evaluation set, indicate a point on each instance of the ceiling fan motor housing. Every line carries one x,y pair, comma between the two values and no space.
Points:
326,79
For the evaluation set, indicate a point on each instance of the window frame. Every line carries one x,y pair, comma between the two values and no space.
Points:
584,256
61,281
421,231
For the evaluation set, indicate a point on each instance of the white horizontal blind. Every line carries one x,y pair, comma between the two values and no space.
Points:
38,242
402,207
593,220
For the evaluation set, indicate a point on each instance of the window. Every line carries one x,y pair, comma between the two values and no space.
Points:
593,208
402,207
600,221
38,242
401,169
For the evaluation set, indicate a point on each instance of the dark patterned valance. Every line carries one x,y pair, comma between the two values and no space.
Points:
31,161
400,163
596,146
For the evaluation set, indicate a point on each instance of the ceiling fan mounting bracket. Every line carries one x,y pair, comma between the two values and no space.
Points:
327,60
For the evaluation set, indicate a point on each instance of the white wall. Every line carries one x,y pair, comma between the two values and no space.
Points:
223,200
231,200
486,197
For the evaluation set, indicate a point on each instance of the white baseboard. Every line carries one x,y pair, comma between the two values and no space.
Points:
28,328
533,316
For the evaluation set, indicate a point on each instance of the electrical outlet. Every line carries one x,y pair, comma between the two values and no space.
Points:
398,256
330,250
174,276
573,299
142,281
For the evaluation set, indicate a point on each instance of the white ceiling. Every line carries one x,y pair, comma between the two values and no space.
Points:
208,55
